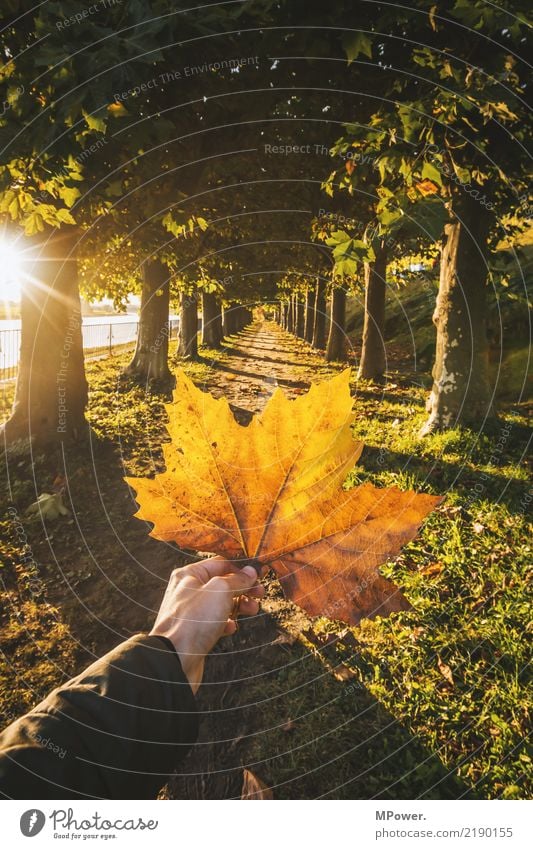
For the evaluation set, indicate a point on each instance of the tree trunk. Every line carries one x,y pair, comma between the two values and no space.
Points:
150,360
319,328
188,338
310,297
242,317
336,350
300,317
373,355
51,390
461,391
229,320
290,316
211,321
295,315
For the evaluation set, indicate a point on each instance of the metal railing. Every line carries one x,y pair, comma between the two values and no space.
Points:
99,340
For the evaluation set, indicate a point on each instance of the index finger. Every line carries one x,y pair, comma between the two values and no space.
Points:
217,566
212,567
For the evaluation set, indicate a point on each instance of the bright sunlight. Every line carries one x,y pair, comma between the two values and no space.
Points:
10,270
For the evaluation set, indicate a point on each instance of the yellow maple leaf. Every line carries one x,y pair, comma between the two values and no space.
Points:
272,491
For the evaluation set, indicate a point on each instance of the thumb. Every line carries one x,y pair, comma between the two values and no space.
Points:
239,581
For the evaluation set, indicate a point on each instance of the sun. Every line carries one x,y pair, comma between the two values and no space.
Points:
11,270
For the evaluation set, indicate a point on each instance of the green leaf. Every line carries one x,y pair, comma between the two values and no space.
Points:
94,122
348,253
462,173
33,224
65,217
430,172
14,208
69,195
389,216
355,44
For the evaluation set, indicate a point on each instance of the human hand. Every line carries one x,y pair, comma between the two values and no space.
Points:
197,606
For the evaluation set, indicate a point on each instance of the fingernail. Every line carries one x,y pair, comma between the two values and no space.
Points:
250,571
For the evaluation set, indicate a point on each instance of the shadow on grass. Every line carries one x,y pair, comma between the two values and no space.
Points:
270,705
476,484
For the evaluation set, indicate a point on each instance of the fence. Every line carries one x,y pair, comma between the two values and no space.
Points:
98,340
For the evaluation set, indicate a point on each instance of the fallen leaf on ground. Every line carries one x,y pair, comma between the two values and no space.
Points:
445,671
343,673
48,506
272,491
431,569
253,787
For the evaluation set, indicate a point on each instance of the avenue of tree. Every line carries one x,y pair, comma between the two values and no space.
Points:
296,165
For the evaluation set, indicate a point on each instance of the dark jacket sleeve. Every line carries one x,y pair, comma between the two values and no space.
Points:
114,732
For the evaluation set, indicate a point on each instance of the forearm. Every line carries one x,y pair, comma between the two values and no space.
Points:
115,731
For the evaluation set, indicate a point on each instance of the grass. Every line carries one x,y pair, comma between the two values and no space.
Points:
429,703
456,671
450,680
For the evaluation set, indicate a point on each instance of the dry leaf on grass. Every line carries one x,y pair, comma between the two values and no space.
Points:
344,673
445,671
272,491
48,506
253,787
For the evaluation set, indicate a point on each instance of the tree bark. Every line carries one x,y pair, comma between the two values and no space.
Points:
229,320
336,350
51,391
242,317
461,392
310,297
290,315
150,360
319,328
188,338
300,317
295,315
373,355
211,321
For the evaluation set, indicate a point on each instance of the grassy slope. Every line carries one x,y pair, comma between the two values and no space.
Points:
409,329
447,679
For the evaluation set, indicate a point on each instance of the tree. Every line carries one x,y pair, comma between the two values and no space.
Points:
310,298
373,357
451,125
461,380
337,349
55,138
347,254
188,334
319,327
211,320
150,360
51,389
299,313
